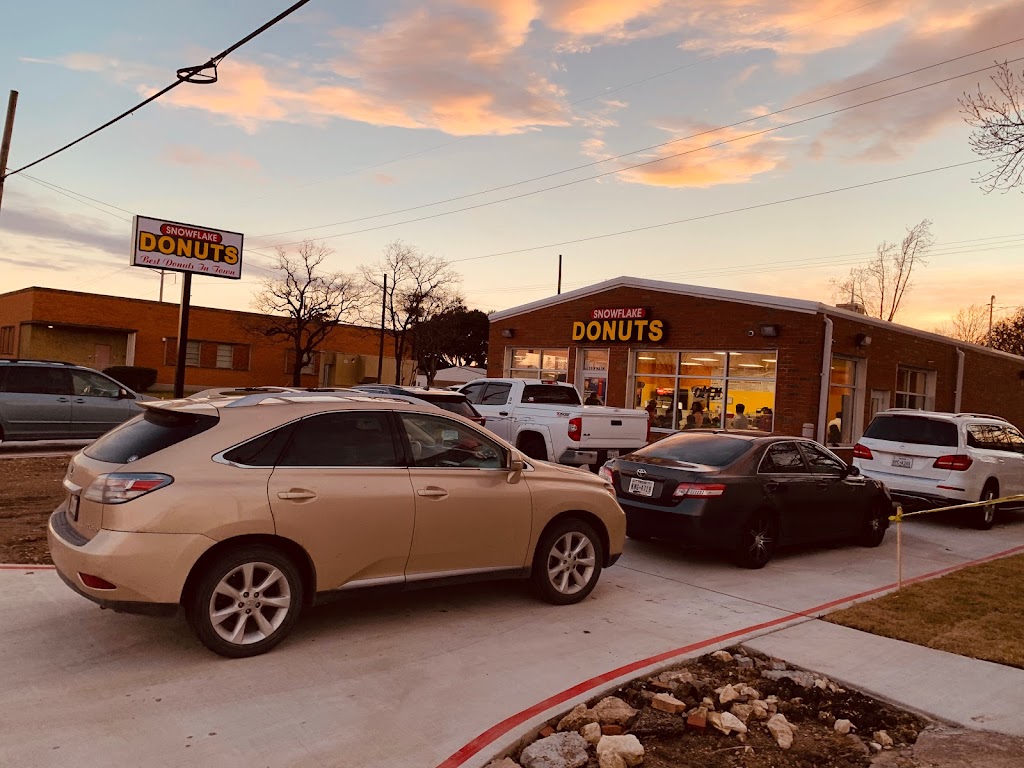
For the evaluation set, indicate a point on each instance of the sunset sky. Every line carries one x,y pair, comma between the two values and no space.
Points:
350,120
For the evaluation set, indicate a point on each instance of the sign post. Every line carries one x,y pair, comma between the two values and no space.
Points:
170,245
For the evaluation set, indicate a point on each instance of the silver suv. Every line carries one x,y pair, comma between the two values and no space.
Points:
47,400
927,458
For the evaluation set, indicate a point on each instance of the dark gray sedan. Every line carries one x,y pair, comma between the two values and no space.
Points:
746,493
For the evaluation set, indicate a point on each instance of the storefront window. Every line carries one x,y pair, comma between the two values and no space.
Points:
915,389
593,376
707,389
843,394
548,364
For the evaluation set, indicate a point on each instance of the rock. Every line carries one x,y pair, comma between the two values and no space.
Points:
661,685
679,676
778,666
723,656
577,718
743,711
668,703
803,679
747,693
546,731
728,694
875,746
611,730
708,703
760,710
591,732
743,662
733,723
627,749
505,762
856,743
781,729
561,750
612,710
883,738
843,726
714,719
821,684
698,718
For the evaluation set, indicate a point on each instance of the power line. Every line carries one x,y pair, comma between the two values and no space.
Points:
662,144
196,74
645,163
602,94
79,194
70,195
717,214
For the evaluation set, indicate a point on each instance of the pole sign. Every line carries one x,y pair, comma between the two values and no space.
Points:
161,244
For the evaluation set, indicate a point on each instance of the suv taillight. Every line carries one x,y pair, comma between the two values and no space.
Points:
575,428
862,452
605,473
119,487
958,462
698,490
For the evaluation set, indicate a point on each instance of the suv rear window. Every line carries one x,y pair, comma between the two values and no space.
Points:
144,435
548,394
712,450
917,430
459,404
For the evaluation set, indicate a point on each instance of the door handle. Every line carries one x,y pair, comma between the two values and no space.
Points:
296,495
773,487
63,400
79,399
432,492
503,413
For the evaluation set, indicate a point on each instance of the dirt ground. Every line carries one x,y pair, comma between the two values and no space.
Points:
30,489
669,742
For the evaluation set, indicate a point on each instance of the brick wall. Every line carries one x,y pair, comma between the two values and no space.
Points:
155,321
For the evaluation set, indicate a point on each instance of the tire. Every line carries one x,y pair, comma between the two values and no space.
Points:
567,562
874,524
757,541
533,446
638,536
983,518
227,587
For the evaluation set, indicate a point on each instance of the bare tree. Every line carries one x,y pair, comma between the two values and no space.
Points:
305,302
1008,334
969,324
418,287
998,123
881,284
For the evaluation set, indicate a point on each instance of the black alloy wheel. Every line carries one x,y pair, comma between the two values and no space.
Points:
758,539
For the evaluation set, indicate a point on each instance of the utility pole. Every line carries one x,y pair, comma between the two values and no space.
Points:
5,145
161,286
991,308
383,310
183,317
559,273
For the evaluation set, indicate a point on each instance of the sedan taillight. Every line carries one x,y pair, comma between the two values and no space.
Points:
862,452
698,490
120,487
958,463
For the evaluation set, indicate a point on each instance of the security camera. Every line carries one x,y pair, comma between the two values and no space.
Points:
750,333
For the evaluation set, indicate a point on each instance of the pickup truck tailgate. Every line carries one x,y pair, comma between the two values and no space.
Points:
614,426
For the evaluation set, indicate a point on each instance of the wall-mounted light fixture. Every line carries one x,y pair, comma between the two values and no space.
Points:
770,331
508,333
863,340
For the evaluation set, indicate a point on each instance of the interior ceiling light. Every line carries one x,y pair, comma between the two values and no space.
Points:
767,359
750,365
646,358
705,359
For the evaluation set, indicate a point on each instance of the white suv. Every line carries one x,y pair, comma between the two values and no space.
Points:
935,459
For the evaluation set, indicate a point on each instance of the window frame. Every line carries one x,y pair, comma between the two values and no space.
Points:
928,395
768,449
561,374
296,425
857,394
807,447
7,339
222,347
486,438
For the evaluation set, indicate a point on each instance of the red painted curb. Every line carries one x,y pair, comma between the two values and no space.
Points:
464,753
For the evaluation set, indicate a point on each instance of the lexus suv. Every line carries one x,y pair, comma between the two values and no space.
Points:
47,400
931,459
242,510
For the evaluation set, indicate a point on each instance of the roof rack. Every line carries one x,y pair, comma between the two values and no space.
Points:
983,416
33,360
340,394
946,413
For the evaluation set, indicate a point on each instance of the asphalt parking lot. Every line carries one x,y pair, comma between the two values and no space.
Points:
402,680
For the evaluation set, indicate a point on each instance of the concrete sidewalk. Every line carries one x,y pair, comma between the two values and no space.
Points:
951,688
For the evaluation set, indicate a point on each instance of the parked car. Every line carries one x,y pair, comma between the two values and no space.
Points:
243,510
746,493
548,421
447,400
48,400
932,459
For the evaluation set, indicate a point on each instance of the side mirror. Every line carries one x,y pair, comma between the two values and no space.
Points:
852,471
515,469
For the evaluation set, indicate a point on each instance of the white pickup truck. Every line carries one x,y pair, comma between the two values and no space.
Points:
548,421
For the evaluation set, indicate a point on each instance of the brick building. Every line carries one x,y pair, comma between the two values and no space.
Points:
795,366
224,350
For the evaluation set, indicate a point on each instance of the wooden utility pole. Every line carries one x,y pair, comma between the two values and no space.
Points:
5,145
383,311
991,309
559,274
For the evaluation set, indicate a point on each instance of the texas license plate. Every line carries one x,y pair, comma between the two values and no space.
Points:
640,487
902,461
73,507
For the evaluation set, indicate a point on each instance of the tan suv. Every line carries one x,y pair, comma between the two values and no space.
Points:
242,510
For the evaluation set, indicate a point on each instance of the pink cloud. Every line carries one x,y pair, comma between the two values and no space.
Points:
179,154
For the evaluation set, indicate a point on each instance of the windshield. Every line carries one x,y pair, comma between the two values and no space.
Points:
148,433
711,450
917,430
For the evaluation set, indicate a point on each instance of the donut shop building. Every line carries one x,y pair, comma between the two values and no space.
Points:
795,366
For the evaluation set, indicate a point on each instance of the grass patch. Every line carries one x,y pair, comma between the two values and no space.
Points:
973,612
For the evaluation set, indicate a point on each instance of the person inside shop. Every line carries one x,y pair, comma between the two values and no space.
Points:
652,409
592,399
835,429
741,420
764,420
697,411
